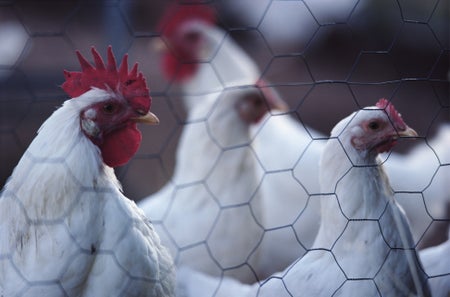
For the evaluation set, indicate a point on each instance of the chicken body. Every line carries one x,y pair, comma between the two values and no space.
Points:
364,246
290,157
205,211
67,230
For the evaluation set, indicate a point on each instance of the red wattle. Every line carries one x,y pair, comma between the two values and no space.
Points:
175,70
120,145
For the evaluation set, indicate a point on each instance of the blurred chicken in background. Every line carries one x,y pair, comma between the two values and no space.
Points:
212,193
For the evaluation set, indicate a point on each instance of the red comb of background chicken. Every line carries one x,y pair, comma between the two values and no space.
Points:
131,85
177,14
393,114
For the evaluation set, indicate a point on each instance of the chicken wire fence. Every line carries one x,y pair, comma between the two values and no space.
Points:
325,59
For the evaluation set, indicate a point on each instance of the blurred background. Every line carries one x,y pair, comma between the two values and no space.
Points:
326,57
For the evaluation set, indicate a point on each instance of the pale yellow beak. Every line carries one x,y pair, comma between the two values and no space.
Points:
158,45
409,132
149,119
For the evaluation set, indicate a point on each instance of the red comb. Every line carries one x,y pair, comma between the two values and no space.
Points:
131,85
393,114
178,14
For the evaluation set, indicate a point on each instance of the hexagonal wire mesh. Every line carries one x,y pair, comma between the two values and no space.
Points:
325,59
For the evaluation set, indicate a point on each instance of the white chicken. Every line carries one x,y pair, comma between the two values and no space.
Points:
216,176
66,228
436,262
364,246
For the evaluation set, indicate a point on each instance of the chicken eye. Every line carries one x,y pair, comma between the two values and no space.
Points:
192,37
109,108
374,125
140,112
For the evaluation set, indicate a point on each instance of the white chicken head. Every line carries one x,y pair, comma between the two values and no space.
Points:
112,101
182,30
372,130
